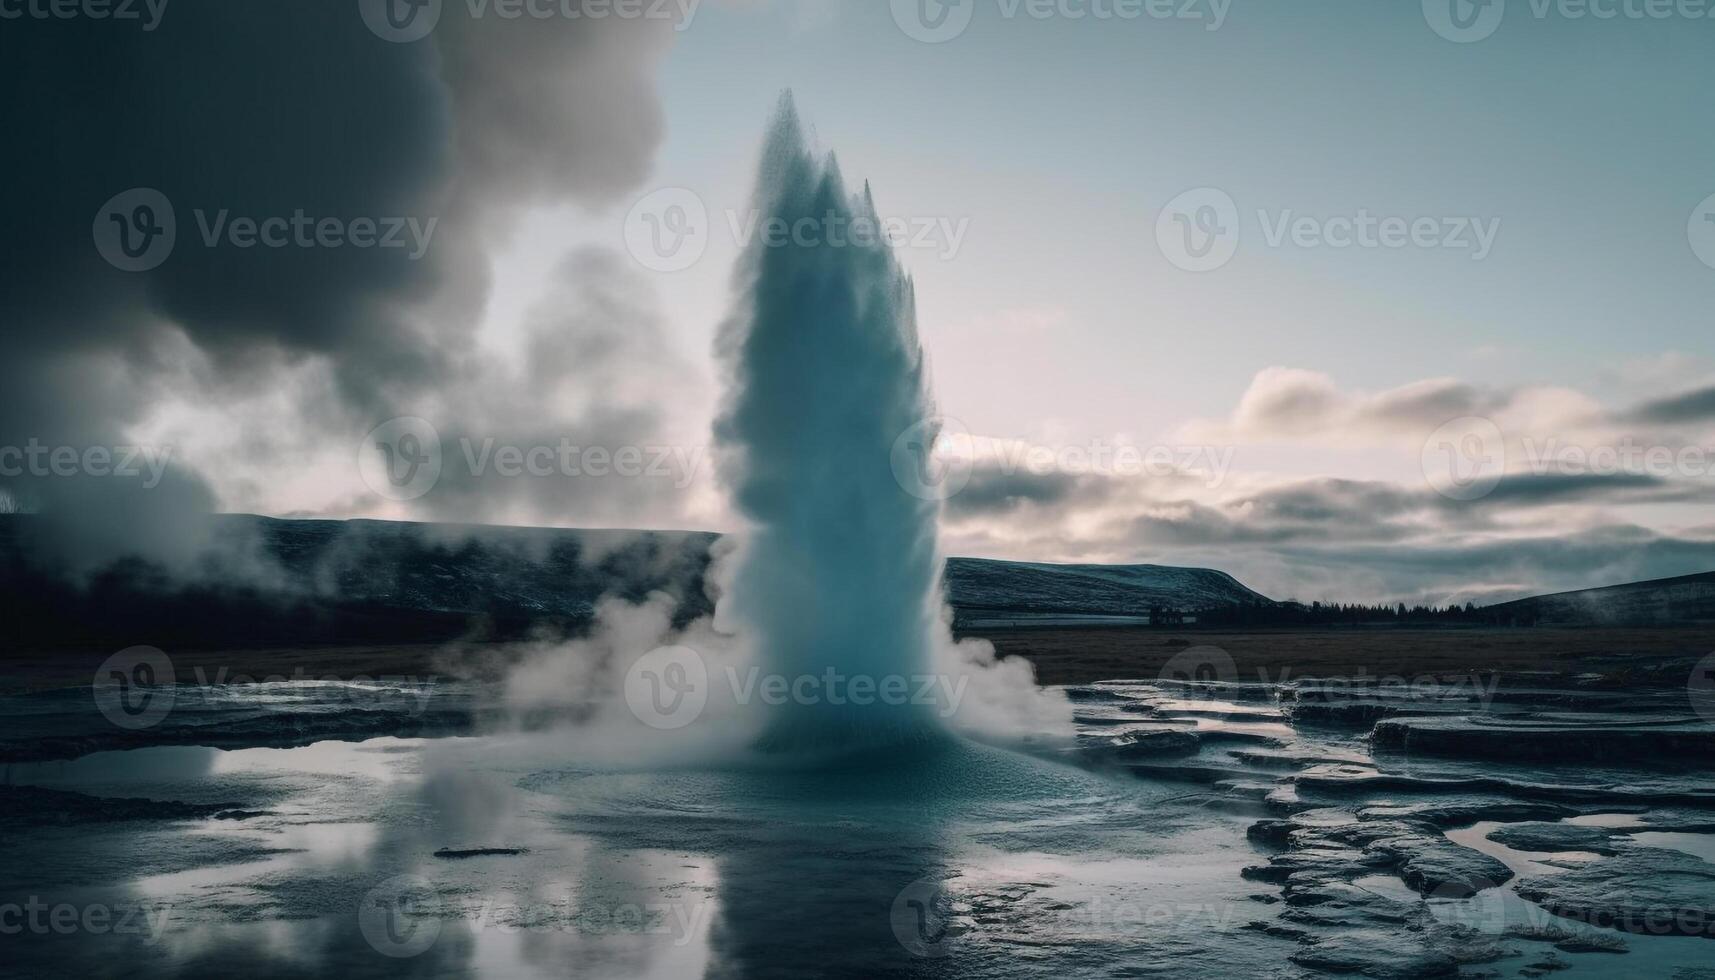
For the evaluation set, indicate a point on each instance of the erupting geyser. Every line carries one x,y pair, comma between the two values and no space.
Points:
839,575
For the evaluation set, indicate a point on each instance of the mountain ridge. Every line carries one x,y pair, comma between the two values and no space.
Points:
290,580
1680,599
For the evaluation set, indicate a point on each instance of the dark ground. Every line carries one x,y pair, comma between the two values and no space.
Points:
1081,656
1061,655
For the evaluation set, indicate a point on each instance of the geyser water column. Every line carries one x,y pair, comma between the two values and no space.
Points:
838,575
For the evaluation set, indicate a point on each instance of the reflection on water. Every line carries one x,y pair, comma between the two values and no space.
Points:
1016,865
1609,820
1522,863
1500,909
329,845
1697,845
111,773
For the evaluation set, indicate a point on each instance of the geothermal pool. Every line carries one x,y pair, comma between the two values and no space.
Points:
502,856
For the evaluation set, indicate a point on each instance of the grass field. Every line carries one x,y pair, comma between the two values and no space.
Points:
1084,655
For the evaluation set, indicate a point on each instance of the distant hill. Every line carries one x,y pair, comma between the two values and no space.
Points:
290,582
1683,600
982,590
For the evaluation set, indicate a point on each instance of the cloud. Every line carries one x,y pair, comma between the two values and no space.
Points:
1494,570
1682,409
1344,539
1399,551
1292,405
1297,404
1539,489
240,112
997,490
1588,496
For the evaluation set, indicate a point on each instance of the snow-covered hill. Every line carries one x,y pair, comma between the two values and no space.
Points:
975,584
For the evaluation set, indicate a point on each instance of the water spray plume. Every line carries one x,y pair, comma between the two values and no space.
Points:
839,573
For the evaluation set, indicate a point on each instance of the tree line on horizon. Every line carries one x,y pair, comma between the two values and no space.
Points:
1344,614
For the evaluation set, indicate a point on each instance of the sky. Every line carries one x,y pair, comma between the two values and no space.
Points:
1341,298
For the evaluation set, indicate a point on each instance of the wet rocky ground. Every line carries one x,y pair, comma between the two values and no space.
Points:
1507,825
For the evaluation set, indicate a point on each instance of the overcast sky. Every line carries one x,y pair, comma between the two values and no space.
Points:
1204,289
